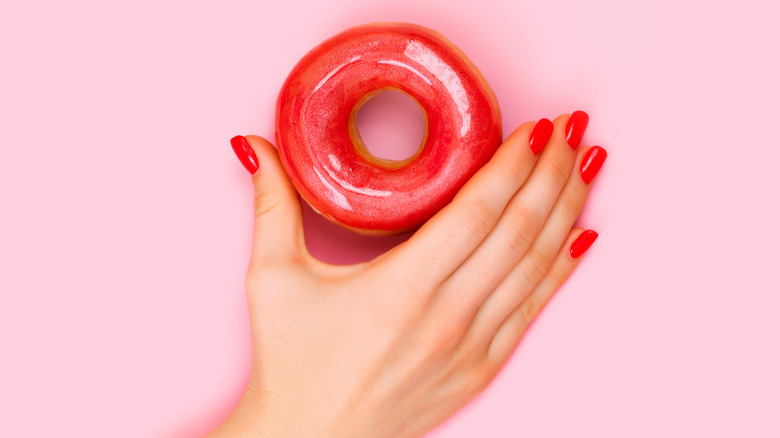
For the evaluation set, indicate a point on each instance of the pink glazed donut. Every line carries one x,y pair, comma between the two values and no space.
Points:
321,149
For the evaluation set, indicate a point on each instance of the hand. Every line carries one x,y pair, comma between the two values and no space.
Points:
394,346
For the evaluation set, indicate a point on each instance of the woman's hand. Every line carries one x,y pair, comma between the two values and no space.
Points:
394,346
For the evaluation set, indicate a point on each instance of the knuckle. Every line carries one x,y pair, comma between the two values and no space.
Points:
478,219
445,337
531,272
535,266
571,207
557,173
499,349
558,274
482,374
441,339
529,309
517,170
521,231
470,349
265,202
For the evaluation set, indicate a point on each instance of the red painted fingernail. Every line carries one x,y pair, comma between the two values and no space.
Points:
245,153
540,134
575,128
591,163
582,243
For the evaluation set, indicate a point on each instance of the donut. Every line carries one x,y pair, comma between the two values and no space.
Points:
327,161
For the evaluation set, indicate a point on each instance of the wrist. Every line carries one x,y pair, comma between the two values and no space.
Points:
254,418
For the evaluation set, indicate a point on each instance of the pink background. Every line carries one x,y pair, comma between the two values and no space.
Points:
126,219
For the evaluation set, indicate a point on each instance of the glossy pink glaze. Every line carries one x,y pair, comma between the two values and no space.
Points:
313,120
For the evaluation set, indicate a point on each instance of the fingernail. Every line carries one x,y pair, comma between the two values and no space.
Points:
540,134
591,163
575,128
245,153
582,243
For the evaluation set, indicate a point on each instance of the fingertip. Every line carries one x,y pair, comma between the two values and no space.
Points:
258,142
532,135
592,162
540,134
245,153
271,175
261,146
562,120
521,133
560,129
582,243
268,161
575,127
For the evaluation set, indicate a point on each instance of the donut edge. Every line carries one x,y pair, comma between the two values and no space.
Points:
489,94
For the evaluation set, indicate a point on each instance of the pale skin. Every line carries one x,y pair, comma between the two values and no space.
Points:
394,346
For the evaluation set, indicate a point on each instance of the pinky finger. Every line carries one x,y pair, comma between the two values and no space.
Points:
513,328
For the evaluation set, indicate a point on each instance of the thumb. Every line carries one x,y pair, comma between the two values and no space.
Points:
278,230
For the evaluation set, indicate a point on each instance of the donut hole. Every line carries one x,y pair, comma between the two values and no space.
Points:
391,126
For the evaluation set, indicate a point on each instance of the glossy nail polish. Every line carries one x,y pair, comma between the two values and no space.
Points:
591,163
540,134
575,128
582,243
245,153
